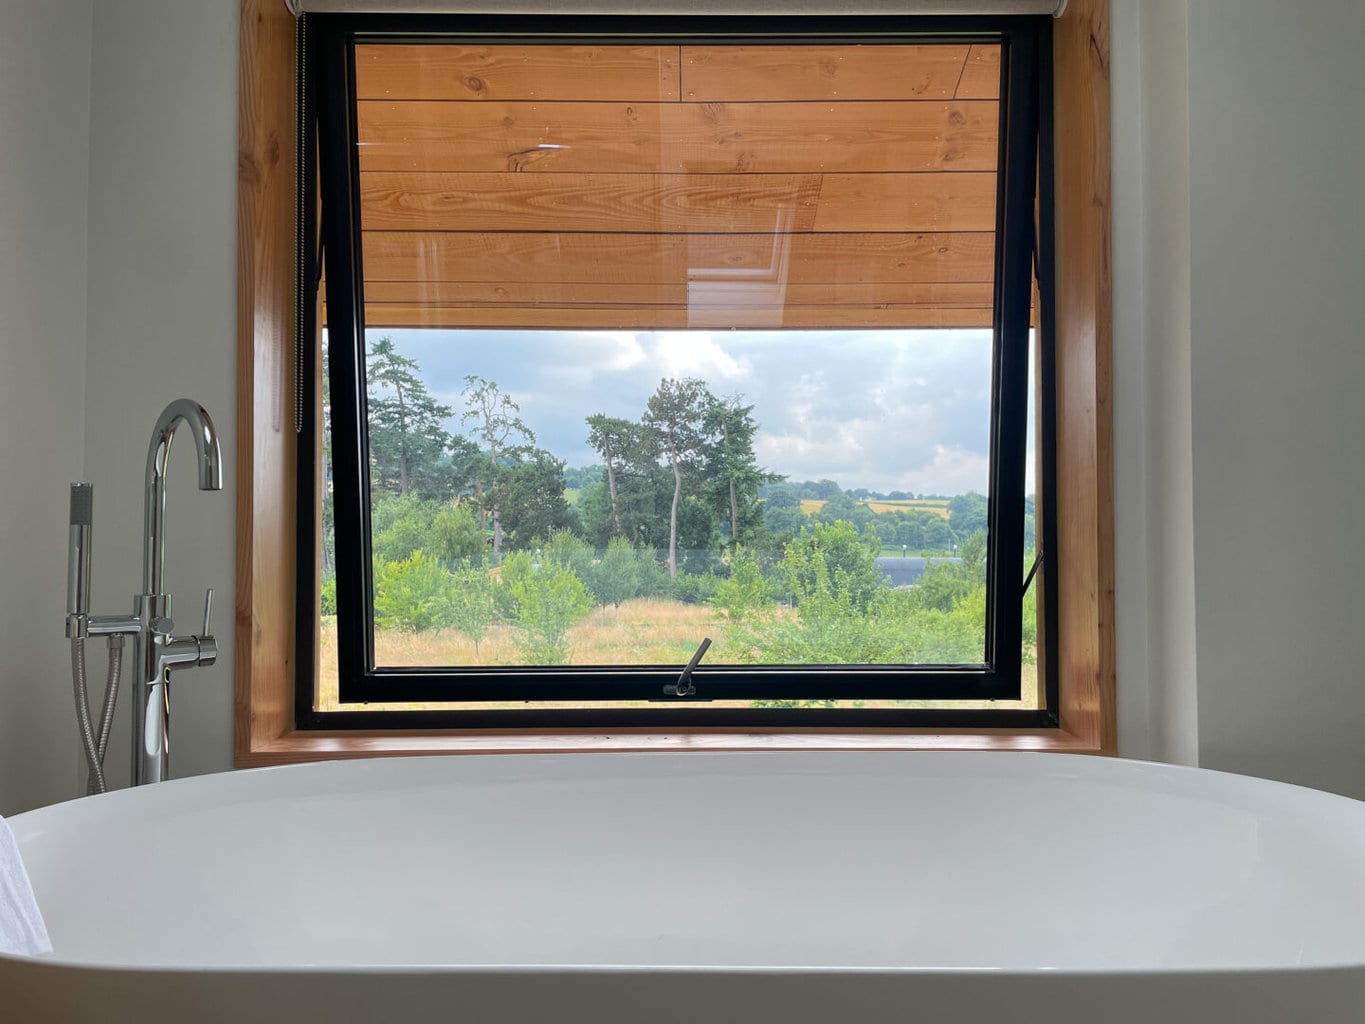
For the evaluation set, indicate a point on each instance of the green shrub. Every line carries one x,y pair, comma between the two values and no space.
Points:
549,600
455,535
472,605
399,525
566,549
695,587
617,576
830,559
745,592
413,593
654,578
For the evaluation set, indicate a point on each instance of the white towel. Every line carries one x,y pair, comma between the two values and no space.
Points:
22,932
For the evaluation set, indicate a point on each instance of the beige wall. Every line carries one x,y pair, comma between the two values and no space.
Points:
44,167
162,305
118,172
1277,368
1154,510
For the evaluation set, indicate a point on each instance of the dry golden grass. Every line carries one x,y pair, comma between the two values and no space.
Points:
643,631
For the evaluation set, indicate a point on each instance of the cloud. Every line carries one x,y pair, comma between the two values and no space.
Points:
886,410
695,354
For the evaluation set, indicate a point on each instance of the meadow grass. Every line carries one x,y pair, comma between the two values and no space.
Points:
642,631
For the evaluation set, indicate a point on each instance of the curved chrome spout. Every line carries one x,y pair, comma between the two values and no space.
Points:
193,415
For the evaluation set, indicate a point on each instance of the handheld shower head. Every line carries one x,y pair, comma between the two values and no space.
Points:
78,558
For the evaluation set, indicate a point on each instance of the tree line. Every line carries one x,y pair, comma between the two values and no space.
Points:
682,478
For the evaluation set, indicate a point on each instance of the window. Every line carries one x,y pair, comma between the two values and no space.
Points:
578,274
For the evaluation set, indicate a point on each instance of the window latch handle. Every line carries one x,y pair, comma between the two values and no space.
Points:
684,687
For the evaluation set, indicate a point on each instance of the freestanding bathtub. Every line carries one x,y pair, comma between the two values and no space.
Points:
784,887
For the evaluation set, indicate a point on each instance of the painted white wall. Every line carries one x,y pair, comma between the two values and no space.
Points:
162,311
44,167
1277,368
1154,513
1239,357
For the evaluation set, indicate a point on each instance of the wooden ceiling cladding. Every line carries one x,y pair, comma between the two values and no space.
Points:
676,186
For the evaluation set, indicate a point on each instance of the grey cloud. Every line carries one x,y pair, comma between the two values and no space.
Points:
885,410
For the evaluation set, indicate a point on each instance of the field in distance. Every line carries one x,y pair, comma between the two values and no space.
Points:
938,506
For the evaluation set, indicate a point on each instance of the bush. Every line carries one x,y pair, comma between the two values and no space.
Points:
549,600
566,549
618,574
327,596
413,593
694,588
472,606
654,578
746,592
831,560
838,621
455,535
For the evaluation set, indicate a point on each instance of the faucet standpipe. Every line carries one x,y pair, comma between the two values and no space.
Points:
157,652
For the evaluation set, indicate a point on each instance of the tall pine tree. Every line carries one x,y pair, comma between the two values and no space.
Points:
409,444
732,473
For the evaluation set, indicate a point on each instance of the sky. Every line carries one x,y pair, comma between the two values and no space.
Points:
888,410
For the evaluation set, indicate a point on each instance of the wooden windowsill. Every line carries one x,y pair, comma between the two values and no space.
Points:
296,747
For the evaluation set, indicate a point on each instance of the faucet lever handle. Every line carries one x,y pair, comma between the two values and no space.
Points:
208,611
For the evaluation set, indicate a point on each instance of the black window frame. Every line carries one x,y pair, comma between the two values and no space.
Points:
329,230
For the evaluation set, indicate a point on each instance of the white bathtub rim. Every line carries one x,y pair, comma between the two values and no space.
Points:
671,970
1060,757
24,823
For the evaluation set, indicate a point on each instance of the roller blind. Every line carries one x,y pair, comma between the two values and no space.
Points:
1053,7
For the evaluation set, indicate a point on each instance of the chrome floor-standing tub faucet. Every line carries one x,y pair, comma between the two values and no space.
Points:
157,651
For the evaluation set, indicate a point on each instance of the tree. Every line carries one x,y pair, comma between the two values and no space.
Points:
613,439
937,534
549,600
967,513
837,507
413,593
455,535
572,552
782,510
745,592
408,439
399,525
617,576
470,608
836,551
732,473
946,584
676,417
500,429
529,496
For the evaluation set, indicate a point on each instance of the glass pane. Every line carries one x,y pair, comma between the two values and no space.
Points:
666,342
325,697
